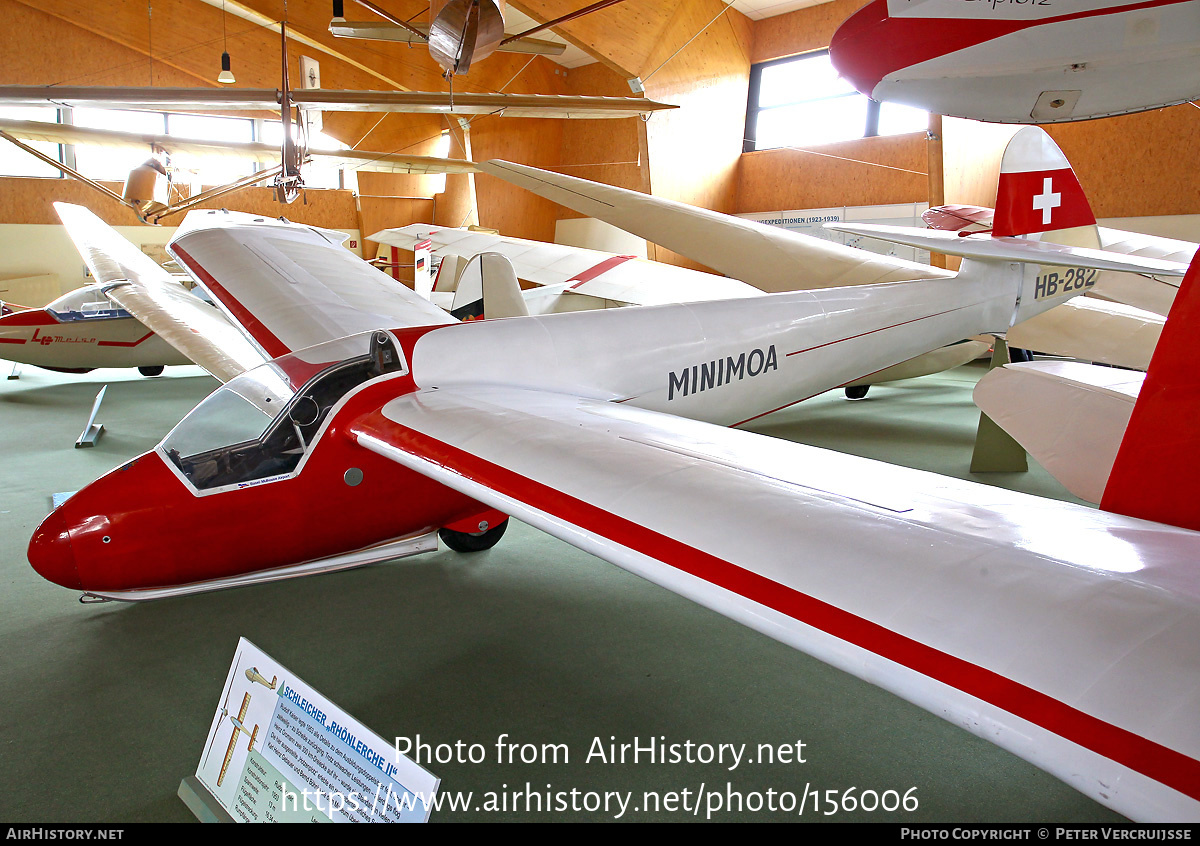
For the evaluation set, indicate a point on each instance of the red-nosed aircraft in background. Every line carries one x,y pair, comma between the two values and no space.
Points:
80,331
134,315
1061,633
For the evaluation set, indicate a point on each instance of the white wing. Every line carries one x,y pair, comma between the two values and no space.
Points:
1092,330
136,283
1070,416
290,286
1061,633
766,257
329,100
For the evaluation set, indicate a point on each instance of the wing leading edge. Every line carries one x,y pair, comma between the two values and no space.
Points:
290,286
769,258
1040,626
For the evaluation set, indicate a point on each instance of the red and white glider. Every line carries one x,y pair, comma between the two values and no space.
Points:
1023,61
1061,633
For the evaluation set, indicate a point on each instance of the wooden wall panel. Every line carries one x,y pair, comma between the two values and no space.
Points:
693,151
694,54
512,210
845,174
1131,166
40,47
971,153
30,200
624,37
378,213
605,151
800,31
1137,165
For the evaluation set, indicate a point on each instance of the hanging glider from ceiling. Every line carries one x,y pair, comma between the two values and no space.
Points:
148,188
459,32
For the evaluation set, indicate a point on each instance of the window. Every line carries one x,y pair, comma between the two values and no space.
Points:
315,176
113,163
802,102
16,162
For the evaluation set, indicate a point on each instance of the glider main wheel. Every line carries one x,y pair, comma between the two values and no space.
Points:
472,541
155,370
857,391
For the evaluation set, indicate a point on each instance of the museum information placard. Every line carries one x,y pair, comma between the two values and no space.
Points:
279,751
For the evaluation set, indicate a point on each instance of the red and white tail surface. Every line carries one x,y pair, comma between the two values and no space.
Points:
1156,474
1038,191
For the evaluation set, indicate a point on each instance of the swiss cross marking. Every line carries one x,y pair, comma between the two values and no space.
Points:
1048,200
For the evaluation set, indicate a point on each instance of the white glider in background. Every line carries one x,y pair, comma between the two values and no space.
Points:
83,330
577,279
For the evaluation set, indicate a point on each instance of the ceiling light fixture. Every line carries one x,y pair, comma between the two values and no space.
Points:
226,75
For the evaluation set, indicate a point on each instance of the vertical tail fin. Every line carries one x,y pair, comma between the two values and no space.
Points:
488,288
1156,474
1038,191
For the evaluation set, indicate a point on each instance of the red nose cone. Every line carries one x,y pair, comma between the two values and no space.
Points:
51,554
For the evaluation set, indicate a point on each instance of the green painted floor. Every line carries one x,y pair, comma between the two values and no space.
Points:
106,708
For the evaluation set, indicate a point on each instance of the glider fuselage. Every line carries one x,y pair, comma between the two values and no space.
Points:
214,500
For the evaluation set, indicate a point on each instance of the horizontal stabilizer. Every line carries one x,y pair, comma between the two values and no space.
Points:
987,248
1069,416
1092,330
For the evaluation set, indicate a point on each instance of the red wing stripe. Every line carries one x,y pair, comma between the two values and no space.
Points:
1140,754
592,272
12,340
872,332
124,343
266,339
